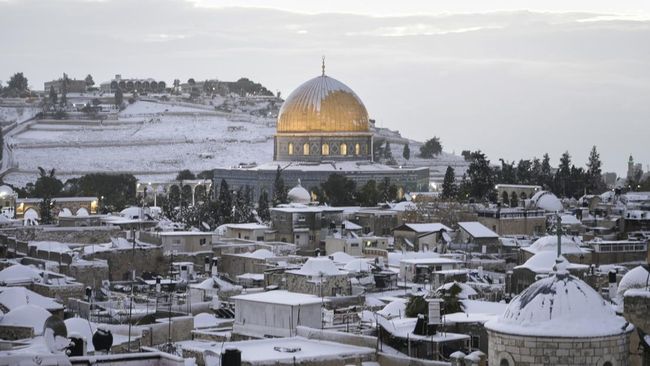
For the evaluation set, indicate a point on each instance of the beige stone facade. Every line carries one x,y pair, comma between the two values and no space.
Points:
510,350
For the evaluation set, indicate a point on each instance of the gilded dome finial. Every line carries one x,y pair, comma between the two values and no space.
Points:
323,66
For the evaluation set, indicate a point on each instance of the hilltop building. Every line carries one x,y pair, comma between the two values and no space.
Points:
323,128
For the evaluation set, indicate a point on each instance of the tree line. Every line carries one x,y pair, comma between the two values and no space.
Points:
565,180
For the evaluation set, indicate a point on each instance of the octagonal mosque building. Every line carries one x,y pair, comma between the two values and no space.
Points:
322,128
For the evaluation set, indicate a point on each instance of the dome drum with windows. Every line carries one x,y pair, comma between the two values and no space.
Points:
323,119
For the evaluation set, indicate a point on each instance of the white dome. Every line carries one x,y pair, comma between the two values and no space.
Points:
559,306
203,320
637,277
65,212
547,201
549,243
298,194
19,273
6,191
318,266
27,316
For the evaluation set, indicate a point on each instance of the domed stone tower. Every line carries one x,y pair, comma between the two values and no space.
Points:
323,119
559,320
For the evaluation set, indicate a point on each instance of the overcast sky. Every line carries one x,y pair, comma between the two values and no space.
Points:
515,79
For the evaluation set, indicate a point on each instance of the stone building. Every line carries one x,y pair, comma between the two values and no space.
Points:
559,320
479,236
305,226
513,221
319,276
419,237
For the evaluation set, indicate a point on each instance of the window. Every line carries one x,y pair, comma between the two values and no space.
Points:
357,149
504,362
305,149
475,342
344,149
326,149
290,148
607,364
202,241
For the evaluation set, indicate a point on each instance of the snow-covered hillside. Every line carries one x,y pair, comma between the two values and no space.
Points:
155,140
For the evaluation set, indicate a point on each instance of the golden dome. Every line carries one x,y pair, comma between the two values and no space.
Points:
323,104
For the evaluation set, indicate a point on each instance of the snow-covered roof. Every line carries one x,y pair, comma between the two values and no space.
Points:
395,308
349,225
14,297
549,242
427,228
51,246
27,316
394,258
296,350
247,226
280,297
466,291
318,266
570,220
341,257
544,261
424,261
559,306
19,273
203,320
258,254
358,265
477,230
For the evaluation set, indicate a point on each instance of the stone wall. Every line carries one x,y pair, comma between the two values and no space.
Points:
636,312
146,260
158,333
12,333
87,235
90,274
332,285
62,293
532,351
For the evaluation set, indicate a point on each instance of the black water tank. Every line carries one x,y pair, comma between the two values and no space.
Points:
102,340
76,348
231,357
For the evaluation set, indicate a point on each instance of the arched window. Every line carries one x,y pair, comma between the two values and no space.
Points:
291,148
357,149
607,363
504,362
326,149
344,149
305,149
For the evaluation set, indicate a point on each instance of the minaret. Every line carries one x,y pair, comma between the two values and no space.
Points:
323,66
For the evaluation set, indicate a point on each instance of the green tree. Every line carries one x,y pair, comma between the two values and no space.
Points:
225,202
563,175
279,189
450,302
505,199
115,191
415,306
185,175
242,206
368,195
507,174
546,175
64,90
52,96
47,185
45,210
89,81
479,173
595,184
339,190
17,86
387,191
406,152
119,97
524,173
263,206
449,187
514,199
431,148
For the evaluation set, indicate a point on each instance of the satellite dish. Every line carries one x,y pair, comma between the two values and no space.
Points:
55,334
103,340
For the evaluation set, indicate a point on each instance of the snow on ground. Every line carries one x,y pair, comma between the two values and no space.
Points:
17,114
